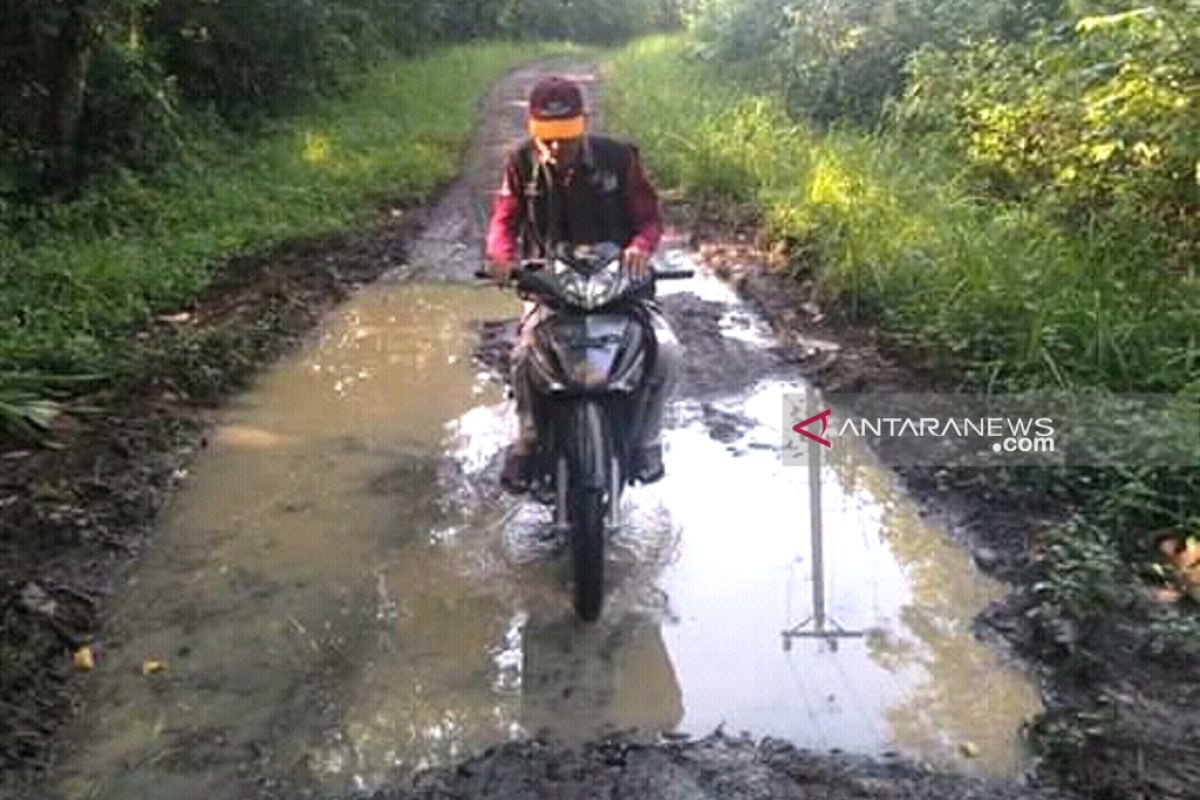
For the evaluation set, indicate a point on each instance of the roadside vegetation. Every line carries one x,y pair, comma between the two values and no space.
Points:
83,272
1008,190
1009,193
145,142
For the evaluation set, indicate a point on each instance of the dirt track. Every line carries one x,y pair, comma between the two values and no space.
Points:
71,538
716,766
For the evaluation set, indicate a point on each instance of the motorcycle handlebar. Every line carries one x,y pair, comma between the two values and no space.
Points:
525,265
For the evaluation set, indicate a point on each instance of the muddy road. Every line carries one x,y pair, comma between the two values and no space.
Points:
339,597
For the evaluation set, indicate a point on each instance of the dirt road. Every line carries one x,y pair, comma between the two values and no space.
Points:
338,598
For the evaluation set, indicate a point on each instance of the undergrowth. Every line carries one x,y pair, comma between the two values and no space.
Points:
996,294
75,278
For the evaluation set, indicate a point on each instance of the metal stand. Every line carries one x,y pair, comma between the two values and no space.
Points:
815,625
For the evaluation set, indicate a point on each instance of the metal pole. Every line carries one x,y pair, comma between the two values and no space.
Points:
815,531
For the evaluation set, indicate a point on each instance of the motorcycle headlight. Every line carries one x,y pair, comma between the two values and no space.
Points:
590,291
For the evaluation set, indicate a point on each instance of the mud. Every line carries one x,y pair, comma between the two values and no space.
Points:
712,768
74,513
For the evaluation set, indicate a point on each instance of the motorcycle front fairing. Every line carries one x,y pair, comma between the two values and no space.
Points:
594,353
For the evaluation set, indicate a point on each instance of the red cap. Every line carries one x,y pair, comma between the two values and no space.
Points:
556,109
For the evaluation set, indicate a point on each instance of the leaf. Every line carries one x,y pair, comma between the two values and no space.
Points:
1103,151
1131,17
83,659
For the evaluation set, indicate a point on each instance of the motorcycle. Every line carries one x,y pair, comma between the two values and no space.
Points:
590,355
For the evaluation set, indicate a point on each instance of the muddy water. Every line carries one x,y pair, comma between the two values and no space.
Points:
340,593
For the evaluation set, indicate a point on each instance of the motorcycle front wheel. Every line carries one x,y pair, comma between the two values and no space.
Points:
588,498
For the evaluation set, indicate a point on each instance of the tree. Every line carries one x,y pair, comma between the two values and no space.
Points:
47,47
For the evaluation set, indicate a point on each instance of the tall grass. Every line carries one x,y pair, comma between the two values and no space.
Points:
1002,295
75,279
995,295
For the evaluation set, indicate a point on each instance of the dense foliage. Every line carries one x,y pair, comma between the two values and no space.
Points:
601,22
834,59
1074,125
1101,120
83,274
95,84
995,290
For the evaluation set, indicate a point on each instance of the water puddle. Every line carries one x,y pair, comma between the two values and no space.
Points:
818,606
737,321
341,592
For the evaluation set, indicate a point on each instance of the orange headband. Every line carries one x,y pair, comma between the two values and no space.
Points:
546,129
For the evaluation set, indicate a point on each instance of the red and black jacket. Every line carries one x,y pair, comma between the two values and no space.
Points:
603,196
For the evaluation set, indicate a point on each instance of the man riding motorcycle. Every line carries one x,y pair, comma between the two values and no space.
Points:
565,186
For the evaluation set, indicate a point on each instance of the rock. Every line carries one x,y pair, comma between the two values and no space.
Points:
34,599
987,558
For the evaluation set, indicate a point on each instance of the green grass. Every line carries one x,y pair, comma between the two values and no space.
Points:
994,295
76,279
1002,294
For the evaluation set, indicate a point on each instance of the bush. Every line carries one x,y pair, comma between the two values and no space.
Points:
83,274
248,57
603,23
131,113
1100,121
844,60
997,291
993,292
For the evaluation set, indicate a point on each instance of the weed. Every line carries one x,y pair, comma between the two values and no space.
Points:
1061,739
1175,635
1078,563
1004,295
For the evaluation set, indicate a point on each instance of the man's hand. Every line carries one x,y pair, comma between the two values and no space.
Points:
636,262
501,270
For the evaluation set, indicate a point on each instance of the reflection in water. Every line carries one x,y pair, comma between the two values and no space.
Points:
583,681
467,663
342,592
958,694
962,697
912,682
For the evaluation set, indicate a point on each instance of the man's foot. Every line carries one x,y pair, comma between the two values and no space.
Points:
517,473
649,464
